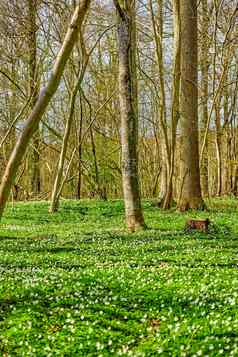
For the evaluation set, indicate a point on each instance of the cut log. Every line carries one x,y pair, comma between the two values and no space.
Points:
197,224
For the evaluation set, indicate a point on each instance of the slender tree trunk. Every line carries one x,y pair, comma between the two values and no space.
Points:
163,175
95,162
158,29
204,88
235,182
226,187
129,113
191,190
218,140
42,102
35,156
233,140
80,131
175,100
229,158
162,111
59,173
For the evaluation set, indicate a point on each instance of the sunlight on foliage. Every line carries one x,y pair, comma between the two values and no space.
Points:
71,284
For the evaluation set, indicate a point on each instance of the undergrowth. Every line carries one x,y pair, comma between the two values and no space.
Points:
76,283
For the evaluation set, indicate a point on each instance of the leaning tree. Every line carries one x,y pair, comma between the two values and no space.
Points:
42,102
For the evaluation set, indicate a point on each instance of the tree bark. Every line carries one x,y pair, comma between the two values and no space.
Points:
42,102
218,141
129,113
191,191
158,34
80,131
175,100
35,155
204,89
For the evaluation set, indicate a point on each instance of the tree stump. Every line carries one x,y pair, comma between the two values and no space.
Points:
197,224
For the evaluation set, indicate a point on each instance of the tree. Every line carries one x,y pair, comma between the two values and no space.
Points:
175,100
94,169
158,30
32,44
42,102
190,181
128,98
204,87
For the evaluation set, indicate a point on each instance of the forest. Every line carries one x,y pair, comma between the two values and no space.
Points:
118,178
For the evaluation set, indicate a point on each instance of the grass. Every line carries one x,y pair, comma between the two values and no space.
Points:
77,284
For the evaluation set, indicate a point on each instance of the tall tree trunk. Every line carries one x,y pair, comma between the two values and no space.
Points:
218,141
158,28
42,102
158,31
175,100
80,131
35,157
191,190
204,88
129,113
233,139
226,187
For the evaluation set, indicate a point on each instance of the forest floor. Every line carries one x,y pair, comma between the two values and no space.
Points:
77,284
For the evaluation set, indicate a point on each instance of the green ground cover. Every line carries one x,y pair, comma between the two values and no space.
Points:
77,284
